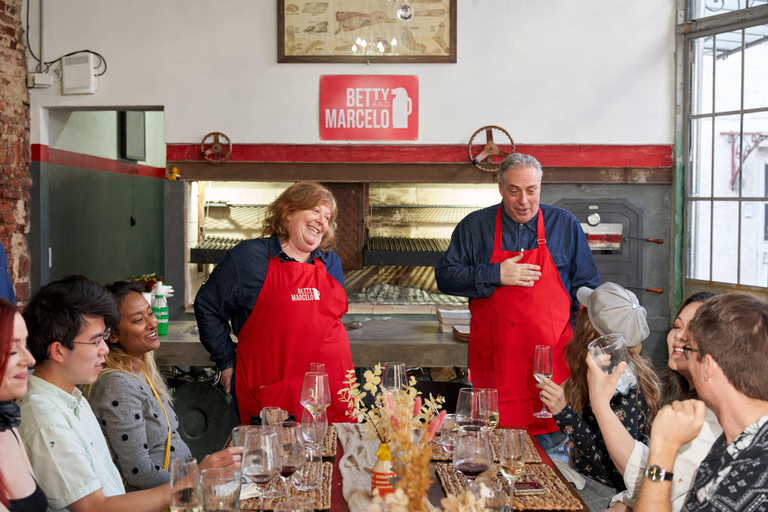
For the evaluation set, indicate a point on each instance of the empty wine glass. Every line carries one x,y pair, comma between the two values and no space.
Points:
489,407
511,454
317,367
271,416
472,455
291,451
309,476
448,431
469,412
316,392
542,367
238,434
394,377
314,429
261,459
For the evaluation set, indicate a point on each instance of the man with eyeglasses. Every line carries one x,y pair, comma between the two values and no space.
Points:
72,464
728,357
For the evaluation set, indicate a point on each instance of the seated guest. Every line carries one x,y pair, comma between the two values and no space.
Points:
19,490
607,309
67,337
728,355
130,398
630,455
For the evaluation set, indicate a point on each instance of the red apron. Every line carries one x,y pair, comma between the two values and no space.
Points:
296,321
508,325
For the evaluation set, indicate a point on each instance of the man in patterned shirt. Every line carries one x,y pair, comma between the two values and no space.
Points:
728,357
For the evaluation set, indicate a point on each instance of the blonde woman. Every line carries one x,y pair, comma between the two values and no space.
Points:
132,402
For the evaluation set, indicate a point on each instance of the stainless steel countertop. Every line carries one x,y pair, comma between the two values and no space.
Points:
416,343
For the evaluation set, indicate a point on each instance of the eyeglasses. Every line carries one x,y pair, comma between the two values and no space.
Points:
687,349
103,337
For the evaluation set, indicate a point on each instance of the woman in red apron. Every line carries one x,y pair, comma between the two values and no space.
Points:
295,318
507,326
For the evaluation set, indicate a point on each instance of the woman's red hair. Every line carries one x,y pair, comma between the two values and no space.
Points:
8,311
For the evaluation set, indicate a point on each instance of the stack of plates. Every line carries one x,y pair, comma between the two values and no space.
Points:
461,332
447,319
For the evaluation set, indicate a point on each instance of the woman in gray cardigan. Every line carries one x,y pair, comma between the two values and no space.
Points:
132,402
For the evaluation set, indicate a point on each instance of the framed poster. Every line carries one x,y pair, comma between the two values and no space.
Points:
416,31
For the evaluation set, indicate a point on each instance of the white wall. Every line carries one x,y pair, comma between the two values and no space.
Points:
548,71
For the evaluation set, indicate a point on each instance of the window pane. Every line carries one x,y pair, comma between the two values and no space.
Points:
699,216
753,246
701,75
728,56
756,67
700,173
725,241
698,9
754,154
726,155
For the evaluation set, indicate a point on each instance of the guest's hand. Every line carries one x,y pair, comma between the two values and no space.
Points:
226,379
601,385
552,395
228,458
677,424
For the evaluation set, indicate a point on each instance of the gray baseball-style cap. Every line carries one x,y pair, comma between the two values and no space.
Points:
612,309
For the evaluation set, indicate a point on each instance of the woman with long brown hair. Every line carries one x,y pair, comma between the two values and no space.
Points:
18,488
284,297
607,309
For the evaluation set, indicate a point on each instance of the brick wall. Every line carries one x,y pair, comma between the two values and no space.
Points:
14,146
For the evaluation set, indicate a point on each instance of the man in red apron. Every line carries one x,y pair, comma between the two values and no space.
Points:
520,263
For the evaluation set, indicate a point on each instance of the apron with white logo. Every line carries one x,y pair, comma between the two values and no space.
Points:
296,321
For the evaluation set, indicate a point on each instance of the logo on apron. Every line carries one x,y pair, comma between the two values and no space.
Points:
306,294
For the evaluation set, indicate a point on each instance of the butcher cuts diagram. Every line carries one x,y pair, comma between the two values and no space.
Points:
368,29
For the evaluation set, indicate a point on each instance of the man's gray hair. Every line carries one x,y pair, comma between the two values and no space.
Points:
518,161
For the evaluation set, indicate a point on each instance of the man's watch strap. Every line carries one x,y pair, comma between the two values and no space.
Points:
656,473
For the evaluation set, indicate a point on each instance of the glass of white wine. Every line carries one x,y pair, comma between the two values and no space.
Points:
186,494
511,454
316,392
542,367
489,406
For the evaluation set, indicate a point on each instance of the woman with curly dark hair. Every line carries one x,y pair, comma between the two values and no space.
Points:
634,401
284,296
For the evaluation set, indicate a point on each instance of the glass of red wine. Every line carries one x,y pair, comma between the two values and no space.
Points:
470,415
291,451
261,459
472,455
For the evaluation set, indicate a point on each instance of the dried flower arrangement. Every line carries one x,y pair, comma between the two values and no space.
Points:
398,502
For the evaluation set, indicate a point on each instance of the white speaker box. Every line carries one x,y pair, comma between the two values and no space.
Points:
78,74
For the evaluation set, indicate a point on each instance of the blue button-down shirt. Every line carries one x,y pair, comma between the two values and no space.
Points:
232,289
465,269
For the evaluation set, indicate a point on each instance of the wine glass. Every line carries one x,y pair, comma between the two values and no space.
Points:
314,429
542,367
317,367
292,451
448,430
393,377
186,493
511,454
469,415
316,393
489,405
271,416
261,459
472,455
309,476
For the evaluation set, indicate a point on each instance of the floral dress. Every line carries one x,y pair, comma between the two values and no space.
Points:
590,456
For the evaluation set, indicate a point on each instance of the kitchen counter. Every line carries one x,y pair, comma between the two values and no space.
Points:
415,343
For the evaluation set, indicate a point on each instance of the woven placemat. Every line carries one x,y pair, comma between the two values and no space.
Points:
320,496
329,443
558,496
531,454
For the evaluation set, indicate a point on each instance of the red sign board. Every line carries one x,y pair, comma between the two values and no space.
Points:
369,107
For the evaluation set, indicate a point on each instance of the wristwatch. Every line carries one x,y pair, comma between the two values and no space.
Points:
656,473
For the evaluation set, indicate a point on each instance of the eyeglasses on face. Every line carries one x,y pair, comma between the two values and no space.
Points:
687,349
103,337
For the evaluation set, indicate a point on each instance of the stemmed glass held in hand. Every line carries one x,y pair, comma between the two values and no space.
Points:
472,454
291,451
542,367
261,459
469,410
316,393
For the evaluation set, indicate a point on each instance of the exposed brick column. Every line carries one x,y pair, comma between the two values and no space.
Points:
14,146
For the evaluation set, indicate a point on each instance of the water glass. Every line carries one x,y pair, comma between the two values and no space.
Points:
238,434
310,475
185,484
448,431
221,489
494,496
271,416
608,351
394,377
